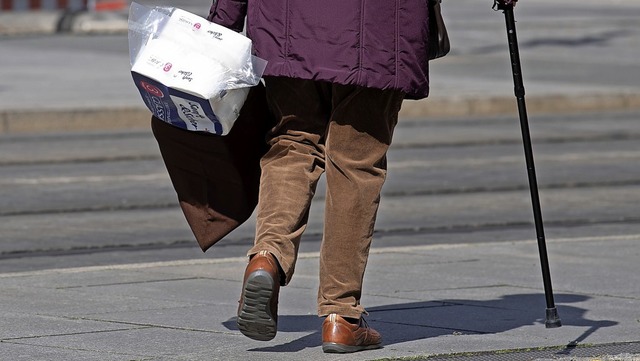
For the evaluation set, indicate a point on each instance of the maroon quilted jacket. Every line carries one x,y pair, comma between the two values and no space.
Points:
373,43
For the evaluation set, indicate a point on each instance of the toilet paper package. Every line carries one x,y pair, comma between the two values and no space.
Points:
190,72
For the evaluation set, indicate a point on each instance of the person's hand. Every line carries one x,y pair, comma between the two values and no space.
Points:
505,3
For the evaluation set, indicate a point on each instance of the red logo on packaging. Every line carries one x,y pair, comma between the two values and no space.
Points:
197,25
167,66
152,89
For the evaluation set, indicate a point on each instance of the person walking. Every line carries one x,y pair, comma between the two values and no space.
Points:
337,74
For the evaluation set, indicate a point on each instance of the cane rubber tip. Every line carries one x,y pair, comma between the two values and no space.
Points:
553,320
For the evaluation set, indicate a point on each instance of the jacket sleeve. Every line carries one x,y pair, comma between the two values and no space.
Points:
228,13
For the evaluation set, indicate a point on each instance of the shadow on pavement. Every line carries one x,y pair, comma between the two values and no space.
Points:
404,322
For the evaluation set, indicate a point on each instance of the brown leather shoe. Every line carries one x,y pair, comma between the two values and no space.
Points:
258,309
340,336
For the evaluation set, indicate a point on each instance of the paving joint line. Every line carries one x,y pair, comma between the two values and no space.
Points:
143,326
69,333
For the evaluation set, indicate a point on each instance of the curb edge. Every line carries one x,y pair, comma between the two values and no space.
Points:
14,122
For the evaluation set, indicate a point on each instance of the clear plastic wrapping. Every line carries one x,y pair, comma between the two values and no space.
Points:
190,72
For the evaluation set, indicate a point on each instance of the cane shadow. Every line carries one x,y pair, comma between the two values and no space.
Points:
405,322
412,321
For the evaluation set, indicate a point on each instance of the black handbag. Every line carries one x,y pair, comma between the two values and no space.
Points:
438,38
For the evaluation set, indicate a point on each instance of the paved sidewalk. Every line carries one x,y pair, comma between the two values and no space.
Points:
485,299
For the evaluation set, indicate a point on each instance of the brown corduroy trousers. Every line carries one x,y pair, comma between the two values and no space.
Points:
345,132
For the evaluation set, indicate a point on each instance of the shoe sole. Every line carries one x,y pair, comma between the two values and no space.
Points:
255,319
332,347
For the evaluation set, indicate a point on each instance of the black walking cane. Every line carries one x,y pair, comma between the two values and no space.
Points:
552,320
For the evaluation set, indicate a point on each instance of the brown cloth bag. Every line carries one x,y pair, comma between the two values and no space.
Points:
216,178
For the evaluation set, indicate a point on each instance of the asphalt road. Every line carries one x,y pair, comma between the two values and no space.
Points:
80,199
